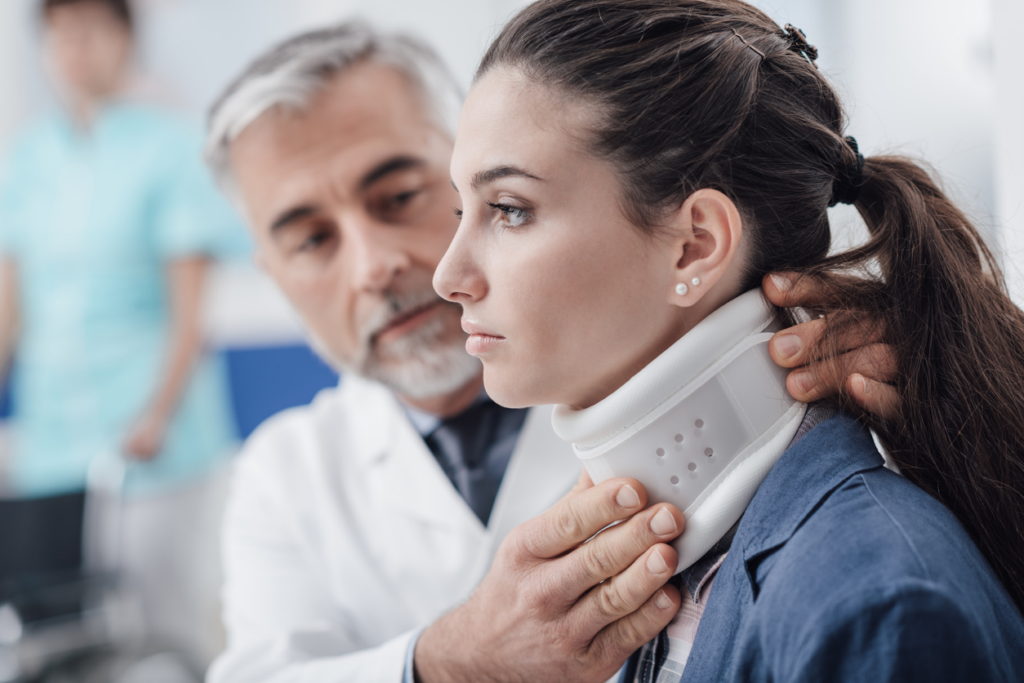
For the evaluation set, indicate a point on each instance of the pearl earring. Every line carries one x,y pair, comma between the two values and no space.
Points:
681,289
696,281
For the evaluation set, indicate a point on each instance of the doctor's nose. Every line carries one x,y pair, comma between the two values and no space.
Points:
458,277
377,258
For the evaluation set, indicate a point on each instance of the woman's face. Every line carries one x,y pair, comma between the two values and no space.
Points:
564,298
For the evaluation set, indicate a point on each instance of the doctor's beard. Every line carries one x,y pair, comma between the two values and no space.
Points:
421,364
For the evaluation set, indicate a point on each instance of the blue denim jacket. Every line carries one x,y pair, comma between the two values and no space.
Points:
843,571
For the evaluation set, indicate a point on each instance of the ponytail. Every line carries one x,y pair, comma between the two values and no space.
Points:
958,341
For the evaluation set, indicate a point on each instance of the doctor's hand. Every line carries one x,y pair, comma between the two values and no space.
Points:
559,605
865,369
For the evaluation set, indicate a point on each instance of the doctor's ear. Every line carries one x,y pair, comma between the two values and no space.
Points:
705,236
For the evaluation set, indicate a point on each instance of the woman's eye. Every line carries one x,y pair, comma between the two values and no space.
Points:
458,212
513,216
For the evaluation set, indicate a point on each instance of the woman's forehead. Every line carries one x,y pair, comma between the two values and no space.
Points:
510,119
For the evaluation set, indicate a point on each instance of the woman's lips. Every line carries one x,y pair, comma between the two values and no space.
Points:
481,340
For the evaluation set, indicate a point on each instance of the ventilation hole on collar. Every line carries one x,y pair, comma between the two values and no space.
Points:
660,452
674,480
699,424
679,438
692,467
709,452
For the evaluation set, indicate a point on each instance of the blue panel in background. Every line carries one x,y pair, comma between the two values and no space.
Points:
266,380
263,381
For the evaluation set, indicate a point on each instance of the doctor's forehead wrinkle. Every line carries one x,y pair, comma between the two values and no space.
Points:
382,170
291,216
392,165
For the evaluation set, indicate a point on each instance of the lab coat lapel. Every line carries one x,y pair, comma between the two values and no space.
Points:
543,468
401,469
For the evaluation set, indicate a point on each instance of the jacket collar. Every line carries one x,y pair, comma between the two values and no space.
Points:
389,448
372,438
542,468
805,475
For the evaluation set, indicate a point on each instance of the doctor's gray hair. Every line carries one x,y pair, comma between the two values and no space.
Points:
292,73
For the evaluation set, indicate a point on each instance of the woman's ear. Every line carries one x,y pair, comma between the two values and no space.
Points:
706,235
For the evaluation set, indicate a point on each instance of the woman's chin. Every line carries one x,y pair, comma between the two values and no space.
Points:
509,389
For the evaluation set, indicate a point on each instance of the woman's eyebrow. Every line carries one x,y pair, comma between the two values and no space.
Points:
489,176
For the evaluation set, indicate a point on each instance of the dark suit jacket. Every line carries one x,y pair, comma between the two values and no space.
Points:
844,571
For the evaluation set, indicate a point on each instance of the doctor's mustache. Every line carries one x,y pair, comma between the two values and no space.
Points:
396,307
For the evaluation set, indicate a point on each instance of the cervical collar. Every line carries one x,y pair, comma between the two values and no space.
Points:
699,427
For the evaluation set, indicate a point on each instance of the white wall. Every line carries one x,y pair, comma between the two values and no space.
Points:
459,29
1009,137
917,79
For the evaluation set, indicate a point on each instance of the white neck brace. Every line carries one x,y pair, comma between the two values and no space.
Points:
700,426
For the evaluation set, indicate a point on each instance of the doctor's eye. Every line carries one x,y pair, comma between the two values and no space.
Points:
400,207
312,238
401,199
315,240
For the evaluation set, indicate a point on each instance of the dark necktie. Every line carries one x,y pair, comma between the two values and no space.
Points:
473,448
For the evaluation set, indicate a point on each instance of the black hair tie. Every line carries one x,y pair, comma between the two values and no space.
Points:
849,180
798,41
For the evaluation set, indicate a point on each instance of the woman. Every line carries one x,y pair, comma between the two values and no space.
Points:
629,171
108,224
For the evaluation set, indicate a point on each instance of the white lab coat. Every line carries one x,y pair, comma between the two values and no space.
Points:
343,536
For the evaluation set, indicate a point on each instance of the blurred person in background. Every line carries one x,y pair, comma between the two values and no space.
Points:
108,226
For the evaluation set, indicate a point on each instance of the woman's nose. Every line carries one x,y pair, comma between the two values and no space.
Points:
459,277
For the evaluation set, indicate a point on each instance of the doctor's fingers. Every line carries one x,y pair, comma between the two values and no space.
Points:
799,345
626,592
583,484
793,290
830,376
617,641
875,397
578,516
618,551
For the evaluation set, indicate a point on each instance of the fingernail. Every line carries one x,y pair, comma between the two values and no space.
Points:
656,563
788,345
663,523
627,497
662,600
781,282
803,382
865,386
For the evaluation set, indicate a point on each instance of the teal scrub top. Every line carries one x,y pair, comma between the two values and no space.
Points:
91,219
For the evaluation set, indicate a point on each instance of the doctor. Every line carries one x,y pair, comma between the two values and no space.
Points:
361,519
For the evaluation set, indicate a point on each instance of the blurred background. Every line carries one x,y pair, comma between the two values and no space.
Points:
942,80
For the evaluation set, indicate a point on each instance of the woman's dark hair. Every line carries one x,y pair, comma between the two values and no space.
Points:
121,8
697,94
